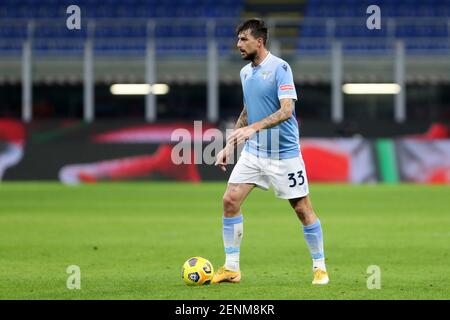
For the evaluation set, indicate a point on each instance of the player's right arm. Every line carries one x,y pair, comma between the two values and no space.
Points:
242,120
222,156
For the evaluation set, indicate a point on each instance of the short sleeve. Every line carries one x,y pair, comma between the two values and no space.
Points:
241,75
285,82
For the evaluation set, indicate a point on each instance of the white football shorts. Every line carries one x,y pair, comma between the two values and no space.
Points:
287,176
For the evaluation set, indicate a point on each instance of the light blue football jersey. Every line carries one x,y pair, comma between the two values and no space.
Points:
263,87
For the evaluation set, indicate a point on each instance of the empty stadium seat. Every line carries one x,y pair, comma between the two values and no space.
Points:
315,26
312,27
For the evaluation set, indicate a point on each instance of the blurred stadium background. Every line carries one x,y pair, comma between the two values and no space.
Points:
59,119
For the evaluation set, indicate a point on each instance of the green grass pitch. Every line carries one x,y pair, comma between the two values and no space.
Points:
131,239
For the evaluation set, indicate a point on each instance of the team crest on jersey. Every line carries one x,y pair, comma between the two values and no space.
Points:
265,74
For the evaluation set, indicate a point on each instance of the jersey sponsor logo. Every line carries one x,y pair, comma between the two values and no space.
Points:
284,67
286,87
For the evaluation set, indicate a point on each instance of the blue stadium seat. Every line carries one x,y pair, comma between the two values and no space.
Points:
223,8
313,31
225,31
389,9
14,32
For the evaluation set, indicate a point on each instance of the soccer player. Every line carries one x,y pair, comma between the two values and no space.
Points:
271,155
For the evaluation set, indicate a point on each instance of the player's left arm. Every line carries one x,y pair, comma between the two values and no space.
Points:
284,113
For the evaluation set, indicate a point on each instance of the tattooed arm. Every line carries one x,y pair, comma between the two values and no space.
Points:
281,115
244,132
222,157
242,120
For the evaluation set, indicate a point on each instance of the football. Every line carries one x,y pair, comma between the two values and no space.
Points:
197,271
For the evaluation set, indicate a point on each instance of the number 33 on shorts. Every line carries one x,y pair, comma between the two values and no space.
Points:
296,182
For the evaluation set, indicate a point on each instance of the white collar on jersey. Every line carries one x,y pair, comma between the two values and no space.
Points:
266,59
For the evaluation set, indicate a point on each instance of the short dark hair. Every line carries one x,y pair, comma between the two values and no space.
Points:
256,26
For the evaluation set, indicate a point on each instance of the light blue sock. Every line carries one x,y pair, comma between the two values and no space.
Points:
314,239
233,231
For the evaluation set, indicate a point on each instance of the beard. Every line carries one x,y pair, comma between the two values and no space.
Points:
250,56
